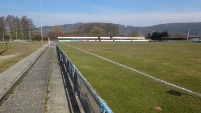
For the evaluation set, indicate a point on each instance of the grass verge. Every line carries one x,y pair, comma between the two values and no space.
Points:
16,52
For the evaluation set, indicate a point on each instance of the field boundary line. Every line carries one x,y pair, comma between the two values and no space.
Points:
142,73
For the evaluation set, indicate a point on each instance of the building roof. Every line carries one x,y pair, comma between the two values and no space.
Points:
194,37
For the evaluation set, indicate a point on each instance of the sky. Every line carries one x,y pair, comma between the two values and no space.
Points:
125,12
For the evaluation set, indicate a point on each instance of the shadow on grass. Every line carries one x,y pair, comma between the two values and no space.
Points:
2,52
173,92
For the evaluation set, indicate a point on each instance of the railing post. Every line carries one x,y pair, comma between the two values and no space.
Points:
61,59
66,64
74,78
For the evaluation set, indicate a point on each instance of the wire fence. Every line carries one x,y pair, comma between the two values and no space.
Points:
90,100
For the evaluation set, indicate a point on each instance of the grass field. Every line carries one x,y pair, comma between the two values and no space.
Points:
15,52
2,47
129,92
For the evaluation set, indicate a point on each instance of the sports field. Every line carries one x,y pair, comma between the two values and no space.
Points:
126,91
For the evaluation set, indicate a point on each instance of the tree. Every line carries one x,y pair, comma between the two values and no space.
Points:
165,34
9,23
15,27
2,26
155,36
158,35
111,29
107,29
24,26
97,31
149,35
134,33
59,31
56,32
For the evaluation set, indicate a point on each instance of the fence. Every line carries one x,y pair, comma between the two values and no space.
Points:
91,102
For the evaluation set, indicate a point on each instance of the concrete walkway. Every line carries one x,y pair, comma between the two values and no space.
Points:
41,90
13,75
57,97
29,96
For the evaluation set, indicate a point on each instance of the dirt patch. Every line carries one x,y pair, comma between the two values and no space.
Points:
7,57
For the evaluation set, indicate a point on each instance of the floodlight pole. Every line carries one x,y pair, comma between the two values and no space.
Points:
41,28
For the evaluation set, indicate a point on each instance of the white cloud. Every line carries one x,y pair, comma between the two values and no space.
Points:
133,19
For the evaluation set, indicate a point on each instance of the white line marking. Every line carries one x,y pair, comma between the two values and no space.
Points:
134,70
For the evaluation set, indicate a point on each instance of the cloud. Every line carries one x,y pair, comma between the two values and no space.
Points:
132,19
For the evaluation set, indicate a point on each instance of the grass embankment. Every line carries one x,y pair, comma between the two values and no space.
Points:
126,91
16,52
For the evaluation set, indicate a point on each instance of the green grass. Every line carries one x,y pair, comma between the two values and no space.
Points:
126,91
18,51
2,48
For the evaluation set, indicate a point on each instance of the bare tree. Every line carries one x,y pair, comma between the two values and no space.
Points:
56,32
2,26
10,24
134,33
16,27
26,26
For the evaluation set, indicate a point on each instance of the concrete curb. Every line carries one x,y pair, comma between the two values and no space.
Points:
10,78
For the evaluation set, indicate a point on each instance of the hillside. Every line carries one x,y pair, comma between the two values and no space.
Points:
172,28
195,28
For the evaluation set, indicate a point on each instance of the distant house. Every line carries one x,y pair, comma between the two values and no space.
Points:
194,39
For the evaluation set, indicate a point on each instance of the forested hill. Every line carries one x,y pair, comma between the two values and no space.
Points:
194,28
171,28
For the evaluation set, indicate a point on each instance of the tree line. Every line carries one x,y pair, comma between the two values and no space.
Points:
90,29
16,27
157,35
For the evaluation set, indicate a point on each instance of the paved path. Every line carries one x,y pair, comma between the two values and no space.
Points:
13,75
41,90
57,97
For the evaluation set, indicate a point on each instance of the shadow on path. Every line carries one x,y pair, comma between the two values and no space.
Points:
69,91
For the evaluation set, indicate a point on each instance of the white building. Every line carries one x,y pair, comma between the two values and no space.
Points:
194,39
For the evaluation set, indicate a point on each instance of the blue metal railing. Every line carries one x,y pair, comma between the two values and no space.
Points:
91,102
